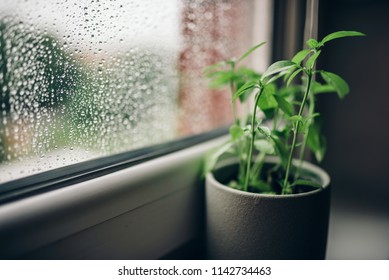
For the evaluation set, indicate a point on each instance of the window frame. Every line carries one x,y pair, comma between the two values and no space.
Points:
87,170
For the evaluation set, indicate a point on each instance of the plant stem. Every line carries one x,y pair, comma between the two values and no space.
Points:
295,133
234,111
236,121
253,132
305,137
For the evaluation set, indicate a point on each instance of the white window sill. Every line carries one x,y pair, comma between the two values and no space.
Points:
142,212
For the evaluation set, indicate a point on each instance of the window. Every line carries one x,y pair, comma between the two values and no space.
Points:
88,88
81,80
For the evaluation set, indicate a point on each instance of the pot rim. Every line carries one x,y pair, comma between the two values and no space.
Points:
321,173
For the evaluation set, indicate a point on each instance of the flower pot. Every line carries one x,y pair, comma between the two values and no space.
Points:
243,225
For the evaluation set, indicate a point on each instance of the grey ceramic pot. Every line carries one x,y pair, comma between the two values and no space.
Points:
243,225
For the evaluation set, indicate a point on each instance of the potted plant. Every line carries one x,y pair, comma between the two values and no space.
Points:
261,203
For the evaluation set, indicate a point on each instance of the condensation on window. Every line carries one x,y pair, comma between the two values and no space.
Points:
86,79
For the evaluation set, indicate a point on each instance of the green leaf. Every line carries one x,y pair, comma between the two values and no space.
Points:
264,146
267,101
340,34
296,118
307,120
337,82
247,53
312,59
264,130
306,183
236,132
244,73
220,79
284,105
316,142
241,76
278,67
281,149
300,56
247,128
276,77
323,89
292,76
312,116
291,91
247,86
312,43
317,88
245,96
282,134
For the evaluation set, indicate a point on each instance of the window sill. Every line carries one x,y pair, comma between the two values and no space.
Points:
142,212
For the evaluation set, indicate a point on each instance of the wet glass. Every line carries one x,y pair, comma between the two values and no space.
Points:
85,79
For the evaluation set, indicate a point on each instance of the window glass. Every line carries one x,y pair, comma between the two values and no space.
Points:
85,79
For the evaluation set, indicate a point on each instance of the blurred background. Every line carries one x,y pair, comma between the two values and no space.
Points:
357,128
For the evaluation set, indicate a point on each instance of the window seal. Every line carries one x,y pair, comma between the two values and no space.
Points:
90,169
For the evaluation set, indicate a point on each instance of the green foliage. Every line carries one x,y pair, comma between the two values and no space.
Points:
288,121
243,89
267,101
236,132
246,54
284,105
316,142
340,85
340,34
312,43
317,88
278,67
300,56
282,149
264,146
311,61
292,76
